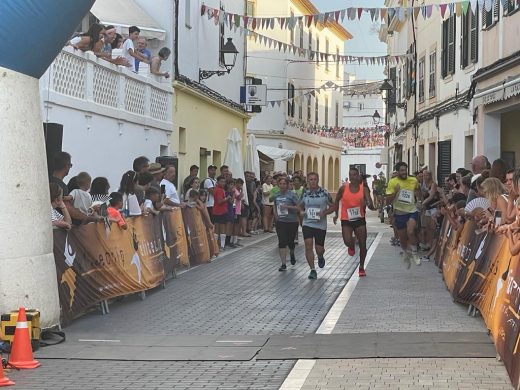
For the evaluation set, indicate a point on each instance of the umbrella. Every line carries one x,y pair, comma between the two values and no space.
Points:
252,160
233,158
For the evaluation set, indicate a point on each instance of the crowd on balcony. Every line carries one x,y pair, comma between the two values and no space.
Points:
358,137
130,51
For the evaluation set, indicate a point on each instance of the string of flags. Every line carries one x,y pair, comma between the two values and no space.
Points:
218,18
457,7
361,89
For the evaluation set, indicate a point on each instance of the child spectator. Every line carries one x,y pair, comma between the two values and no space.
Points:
59,214
116,203
155,67
129,51
239,198
152,201
220,210
81,199
127,189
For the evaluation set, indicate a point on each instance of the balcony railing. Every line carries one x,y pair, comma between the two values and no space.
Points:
83,81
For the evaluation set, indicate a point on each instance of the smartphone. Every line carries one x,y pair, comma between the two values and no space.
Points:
163,189
498,218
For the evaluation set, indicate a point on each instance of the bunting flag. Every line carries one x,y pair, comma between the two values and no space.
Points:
446,9
351,90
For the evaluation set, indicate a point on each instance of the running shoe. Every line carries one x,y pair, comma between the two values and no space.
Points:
407,260
233,246
416,259
313,274
351,251
283,267
362,272
293,257
321,261
425,258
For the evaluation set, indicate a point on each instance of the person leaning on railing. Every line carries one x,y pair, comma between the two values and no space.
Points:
155,65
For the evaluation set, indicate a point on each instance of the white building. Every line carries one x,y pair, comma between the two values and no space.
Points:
429,113
365,129
290,78
102,114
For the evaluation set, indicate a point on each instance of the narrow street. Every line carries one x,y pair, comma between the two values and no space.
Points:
239,323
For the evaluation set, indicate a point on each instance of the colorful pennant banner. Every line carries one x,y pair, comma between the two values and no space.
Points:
458,8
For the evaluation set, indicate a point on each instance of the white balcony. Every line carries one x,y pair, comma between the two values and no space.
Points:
84,82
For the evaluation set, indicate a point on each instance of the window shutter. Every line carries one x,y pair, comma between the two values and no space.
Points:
392,94
474,36
451,45
496,10
464,39
444,158
444,53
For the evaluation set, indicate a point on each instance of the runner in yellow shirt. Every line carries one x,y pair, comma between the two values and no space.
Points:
403,192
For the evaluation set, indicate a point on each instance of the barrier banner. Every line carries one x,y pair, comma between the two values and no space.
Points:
94,263
175,238
199,251
478,269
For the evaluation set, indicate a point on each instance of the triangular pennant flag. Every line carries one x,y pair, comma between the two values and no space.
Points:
237,20
351,12
443,7
416,11
282,22
309,20
383,14
272,103
253,24
372,13
279,46
272,23
321,17
278,103
488,5
203,10
326,17
343,13
473,4
336,16
359,12
451,8
423,12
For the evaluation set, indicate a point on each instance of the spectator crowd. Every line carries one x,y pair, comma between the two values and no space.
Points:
230,207
130,51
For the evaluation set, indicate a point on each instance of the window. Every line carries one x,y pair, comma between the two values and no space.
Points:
469,54
300,107
490,18
251,5
316,110
336,118
448,46
337,62
182,140
512,6
432,85
290,101
301,33
421,79
187,13
399,84
291,30
309,109
327,54
317,50
347,106
361,106
310,45
326,111
222,33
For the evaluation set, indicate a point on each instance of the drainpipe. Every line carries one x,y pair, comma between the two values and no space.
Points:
176,41
416,124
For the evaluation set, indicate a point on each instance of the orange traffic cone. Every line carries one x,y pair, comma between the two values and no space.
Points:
4,381
21,351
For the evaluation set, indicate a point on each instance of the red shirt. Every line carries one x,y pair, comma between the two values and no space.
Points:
218,208
116,215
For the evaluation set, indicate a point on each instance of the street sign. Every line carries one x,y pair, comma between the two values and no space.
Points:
254,95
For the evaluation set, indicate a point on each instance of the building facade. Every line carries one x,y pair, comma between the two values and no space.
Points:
496,86
302,117
206,110
364,126
429,114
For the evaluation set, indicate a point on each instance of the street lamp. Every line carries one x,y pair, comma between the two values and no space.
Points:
376,118
385,89
229,56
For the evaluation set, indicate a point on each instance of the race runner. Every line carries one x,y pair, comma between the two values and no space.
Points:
317,204
286,217
354,198
403,192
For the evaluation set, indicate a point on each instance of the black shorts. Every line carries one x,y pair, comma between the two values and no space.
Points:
221,219
354,224
286,232
317,234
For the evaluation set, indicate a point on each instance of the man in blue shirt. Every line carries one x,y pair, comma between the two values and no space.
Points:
141,48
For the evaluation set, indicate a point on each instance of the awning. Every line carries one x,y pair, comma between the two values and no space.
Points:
503,91
126,13
276,153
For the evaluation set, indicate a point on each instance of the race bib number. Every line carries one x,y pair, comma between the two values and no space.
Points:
282,210
406,196
313,214
354,213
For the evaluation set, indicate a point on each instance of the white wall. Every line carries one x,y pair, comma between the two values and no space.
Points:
359,156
